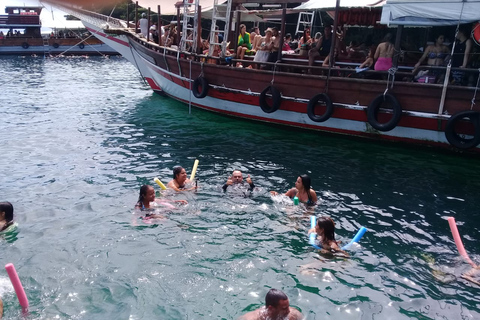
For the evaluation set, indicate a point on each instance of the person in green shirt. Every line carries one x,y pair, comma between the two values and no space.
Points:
244,44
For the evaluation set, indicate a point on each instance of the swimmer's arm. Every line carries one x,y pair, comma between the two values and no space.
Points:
291,193
313,194
295,314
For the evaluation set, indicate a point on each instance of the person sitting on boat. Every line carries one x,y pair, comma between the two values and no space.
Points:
143,25
255,31
244,44
302,190
368,63
263,50
277,307
286,44
305,42
154,33
180,180
321,47
384,53
6,215
436,54
461,54
236,179
2,35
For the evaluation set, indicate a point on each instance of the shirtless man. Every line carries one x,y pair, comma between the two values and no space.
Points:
180,180
276,307
237,179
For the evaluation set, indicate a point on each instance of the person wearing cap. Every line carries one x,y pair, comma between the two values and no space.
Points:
264,49
277,307
154,33
143,25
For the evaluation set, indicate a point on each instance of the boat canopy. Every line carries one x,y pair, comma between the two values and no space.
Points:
167,7
430,12
331,4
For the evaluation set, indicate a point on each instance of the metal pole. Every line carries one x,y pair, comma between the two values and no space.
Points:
397,45
148,25
199,30
136,16
178,27
159,29
282,32
128,13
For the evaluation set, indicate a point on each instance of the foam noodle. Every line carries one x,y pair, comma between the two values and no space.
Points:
17,285
357,238
313,222
313,235
458,240
194,170
160,183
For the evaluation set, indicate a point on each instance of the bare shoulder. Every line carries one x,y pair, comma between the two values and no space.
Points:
295,314
252,315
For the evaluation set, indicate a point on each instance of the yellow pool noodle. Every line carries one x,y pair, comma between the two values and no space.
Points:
160,183
194,170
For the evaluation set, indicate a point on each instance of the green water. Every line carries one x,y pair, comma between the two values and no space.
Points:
80,136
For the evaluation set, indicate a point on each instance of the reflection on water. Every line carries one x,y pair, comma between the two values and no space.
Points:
79,138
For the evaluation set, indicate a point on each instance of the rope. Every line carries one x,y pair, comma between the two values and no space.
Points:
274,70
391,75
201,68
476,88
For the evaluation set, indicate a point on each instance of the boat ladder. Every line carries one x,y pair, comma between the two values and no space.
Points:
220,12
46,47
190,11
305,20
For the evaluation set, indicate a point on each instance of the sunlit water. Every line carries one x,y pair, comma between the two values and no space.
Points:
80,136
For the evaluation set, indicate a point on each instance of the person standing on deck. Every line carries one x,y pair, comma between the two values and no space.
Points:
277,307
384,54
143,25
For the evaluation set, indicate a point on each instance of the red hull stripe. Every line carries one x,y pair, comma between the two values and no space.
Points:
152,84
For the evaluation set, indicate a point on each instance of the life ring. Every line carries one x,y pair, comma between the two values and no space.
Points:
81,46
476,33
276,97
202,82
56,45
373,108
312,103
25,45
456,139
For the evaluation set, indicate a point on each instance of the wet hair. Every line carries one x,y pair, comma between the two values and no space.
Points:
274,296
328,226
143,192
7,207
306,181
176,171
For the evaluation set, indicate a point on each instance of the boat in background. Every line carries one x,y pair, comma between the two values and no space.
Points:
20,34
292,93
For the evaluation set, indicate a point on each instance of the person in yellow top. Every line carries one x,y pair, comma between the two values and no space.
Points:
244,44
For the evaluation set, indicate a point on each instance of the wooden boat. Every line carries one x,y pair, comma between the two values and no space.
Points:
294,94
21,35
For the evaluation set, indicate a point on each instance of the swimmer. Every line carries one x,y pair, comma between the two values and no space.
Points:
180,180
302,190
6,215
475,271
147,198
277,307
237,179
325,230
1,308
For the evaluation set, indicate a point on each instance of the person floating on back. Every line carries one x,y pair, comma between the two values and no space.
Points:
180,180
277,307
6,215
236,180
302,190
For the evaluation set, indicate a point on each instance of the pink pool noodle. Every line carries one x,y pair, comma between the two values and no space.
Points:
17,285
458,240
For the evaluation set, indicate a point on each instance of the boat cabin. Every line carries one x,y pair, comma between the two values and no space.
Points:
21,22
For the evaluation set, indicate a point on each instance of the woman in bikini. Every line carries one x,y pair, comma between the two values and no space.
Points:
147,202
302,190
325,230
436,55
384,54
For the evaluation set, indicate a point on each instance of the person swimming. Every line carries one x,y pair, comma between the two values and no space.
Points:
325,230
302,190
147,202
180,180
6,215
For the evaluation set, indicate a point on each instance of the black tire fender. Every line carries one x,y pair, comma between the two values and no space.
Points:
374,107
56,45
456,139
202,82
25,45
276,97
312,103
81,46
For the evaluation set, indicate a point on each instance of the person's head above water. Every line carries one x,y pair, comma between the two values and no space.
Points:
237,176
277,304
326,228
6,213
179,174
303,182
147,194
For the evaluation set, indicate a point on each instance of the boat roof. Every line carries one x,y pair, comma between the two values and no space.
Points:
430,12
11,9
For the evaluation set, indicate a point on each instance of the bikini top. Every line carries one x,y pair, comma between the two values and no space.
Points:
434,55
309,202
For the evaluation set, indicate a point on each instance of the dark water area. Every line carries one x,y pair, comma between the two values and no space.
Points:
80,136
